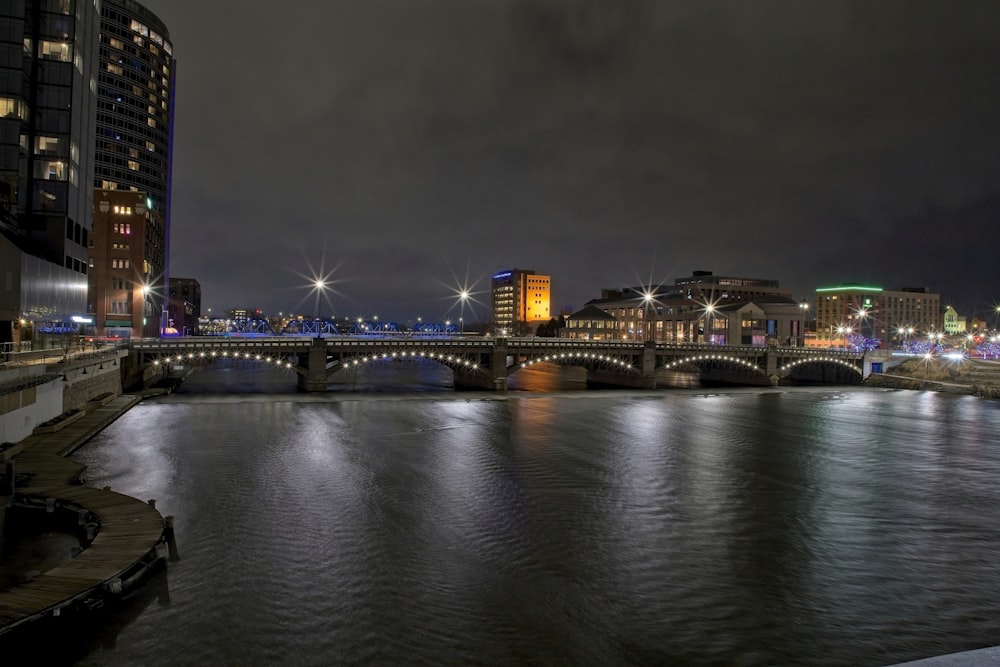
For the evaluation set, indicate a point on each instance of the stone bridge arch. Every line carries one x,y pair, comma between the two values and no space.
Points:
720,367
821,370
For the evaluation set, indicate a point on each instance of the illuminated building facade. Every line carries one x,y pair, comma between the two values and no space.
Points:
873,312
48,60
519,299
126,260
953,323
701,308
135,93
591,323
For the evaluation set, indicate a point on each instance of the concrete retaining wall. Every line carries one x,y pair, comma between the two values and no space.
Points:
80,387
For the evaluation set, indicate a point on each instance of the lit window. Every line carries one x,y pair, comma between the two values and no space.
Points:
47,145
12,108
61,51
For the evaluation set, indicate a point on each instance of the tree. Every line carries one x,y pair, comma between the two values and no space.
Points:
551,328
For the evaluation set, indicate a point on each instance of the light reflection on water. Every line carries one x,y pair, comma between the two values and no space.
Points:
748,527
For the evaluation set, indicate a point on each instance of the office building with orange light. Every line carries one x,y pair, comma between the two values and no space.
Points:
520,301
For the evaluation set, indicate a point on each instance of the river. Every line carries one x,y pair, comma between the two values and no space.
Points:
552,525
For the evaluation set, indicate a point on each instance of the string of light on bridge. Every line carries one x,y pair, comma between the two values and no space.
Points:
280,363
799,362
576,356
390,356
714,357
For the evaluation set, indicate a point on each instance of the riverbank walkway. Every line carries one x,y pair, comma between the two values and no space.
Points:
130,531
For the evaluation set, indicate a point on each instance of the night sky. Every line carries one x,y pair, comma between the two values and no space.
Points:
406,148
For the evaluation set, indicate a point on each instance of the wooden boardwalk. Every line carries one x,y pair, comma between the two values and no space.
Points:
130,534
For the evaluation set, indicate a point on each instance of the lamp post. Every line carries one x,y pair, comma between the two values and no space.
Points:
804,307
862,316
463,297
647,300
842,330
709,314
318,285
904,333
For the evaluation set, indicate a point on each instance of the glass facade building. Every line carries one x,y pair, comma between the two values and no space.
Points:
135,93
48,63
134,102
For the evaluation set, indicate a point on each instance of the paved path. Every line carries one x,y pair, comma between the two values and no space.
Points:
129,533
984,657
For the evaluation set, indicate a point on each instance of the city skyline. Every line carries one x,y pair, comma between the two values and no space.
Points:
402,151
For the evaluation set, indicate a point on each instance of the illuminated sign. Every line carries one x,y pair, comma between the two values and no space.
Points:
79,319
849,288
504,274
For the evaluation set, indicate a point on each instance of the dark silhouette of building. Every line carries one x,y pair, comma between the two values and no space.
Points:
184,306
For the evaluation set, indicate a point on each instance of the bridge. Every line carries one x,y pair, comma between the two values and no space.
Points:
485,363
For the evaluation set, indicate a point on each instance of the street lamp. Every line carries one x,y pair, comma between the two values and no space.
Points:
804,307
463,298
709,314
461,324
647,300
843,330
904,334
319,284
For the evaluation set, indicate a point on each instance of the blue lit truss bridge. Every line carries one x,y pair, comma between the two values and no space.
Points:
373,328
241,327
435,329
316,328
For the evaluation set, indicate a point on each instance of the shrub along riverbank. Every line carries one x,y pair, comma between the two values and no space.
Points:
969,376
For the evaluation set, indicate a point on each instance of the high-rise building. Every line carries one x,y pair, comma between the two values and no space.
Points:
48,62
520,298
873,312
135,93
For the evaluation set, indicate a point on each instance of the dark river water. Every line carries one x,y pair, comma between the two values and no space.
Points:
554,525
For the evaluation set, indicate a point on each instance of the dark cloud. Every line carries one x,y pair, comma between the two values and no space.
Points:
810,142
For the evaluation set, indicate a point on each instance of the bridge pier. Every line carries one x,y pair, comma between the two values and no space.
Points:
491,376
643,377
771,358
314,361
647,369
